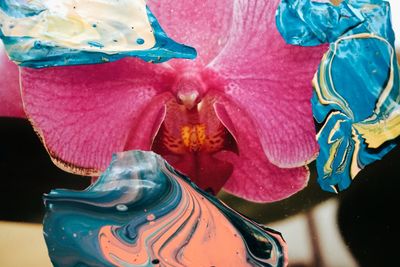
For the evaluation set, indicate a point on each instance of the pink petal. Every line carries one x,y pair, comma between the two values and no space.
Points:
86,113
202,24
255,178
10,97
272,82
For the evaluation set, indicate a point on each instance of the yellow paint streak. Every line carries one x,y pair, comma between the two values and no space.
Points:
334,189
325,94
354,168
334,144
328,95
332,154
377,133
193,136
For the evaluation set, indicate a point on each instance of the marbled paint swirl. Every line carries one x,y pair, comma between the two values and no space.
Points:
141,212
356,88
42,33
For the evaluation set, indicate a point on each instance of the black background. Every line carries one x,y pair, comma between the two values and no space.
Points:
367,209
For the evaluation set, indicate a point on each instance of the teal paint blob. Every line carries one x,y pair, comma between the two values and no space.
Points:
356,100
21,49
139,41
137,189
96,44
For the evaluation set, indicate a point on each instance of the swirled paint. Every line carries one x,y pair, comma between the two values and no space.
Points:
42,33
141,212
356,99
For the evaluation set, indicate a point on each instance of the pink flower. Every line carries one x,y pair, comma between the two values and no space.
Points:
237,117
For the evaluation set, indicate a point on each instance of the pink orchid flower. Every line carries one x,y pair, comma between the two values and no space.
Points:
238,117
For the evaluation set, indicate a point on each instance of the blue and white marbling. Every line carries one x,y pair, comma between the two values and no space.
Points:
356,97
43,33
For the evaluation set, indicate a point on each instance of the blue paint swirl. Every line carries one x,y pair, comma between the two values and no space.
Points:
47,33
356,99
141,212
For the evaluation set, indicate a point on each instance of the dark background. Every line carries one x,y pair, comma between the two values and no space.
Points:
367,209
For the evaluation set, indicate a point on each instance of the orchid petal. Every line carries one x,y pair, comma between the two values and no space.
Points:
47,33
203,24
85,113
272,81
10,97
255,178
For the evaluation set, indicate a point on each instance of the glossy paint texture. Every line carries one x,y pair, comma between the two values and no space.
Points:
44,33
141,212
357,96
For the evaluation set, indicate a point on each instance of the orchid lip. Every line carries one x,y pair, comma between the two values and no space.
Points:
189,140
189,116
